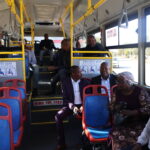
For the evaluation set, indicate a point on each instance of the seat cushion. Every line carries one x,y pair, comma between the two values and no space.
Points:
5,137
97,133
17,135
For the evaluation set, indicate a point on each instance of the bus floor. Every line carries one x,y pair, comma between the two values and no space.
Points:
44,137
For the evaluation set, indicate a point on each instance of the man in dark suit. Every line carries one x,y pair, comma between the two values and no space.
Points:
72,97
92,45
105,78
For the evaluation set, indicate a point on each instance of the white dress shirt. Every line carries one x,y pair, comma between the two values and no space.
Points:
106,83
76,89
144,138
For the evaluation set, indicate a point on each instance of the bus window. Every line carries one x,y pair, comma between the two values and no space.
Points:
82,41
148,28
98,37
112,36
147,66
125,60
129,35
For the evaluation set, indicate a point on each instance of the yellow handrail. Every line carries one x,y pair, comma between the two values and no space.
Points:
71,30
2,53
22,37
89,3
11,4
10,59
89,11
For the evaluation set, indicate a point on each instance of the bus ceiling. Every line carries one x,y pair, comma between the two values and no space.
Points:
46,14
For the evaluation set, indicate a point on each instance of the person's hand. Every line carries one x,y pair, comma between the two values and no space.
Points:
129,112
70,105
75,110
137,147
44,48
81,109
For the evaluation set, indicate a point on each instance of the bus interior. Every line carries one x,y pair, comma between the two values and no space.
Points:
121,26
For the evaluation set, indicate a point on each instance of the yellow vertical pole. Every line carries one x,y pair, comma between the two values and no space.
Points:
71,30
89,4
32,35
22,38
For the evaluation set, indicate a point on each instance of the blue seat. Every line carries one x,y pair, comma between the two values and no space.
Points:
96,114
21,86
17,83
15,103
6,131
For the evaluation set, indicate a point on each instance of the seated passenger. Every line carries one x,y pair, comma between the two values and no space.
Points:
92,45
144,138
105,78
72,97
130,107
45,46
33,67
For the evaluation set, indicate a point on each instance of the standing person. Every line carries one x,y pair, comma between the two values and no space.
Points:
62,64
45,46
72,97
34,67
105,78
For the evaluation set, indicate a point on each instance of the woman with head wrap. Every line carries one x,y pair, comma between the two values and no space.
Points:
130,105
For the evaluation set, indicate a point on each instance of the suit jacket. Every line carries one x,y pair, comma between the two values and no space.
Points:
68,92
97,80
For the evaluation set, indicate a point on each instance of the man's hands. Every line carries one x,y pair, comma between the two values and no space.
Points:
77,110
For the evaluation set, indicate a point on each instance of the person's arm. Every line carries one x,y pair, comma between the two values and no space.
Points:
144,99
145,135
66,100
143,138
41,45
33,58
52,45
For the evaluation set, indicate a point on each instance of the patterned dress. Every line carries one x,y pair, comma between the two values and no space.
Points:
127,129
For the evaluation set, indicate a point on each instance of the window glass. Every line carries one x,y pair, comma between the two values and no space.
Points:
147,66
125,60
82,41
98,37
112,36
129,35
148,28
57,40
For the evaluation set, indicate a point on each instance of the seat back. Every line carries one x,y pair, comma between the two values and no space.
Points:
95,106
6,130
17,83
15,104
